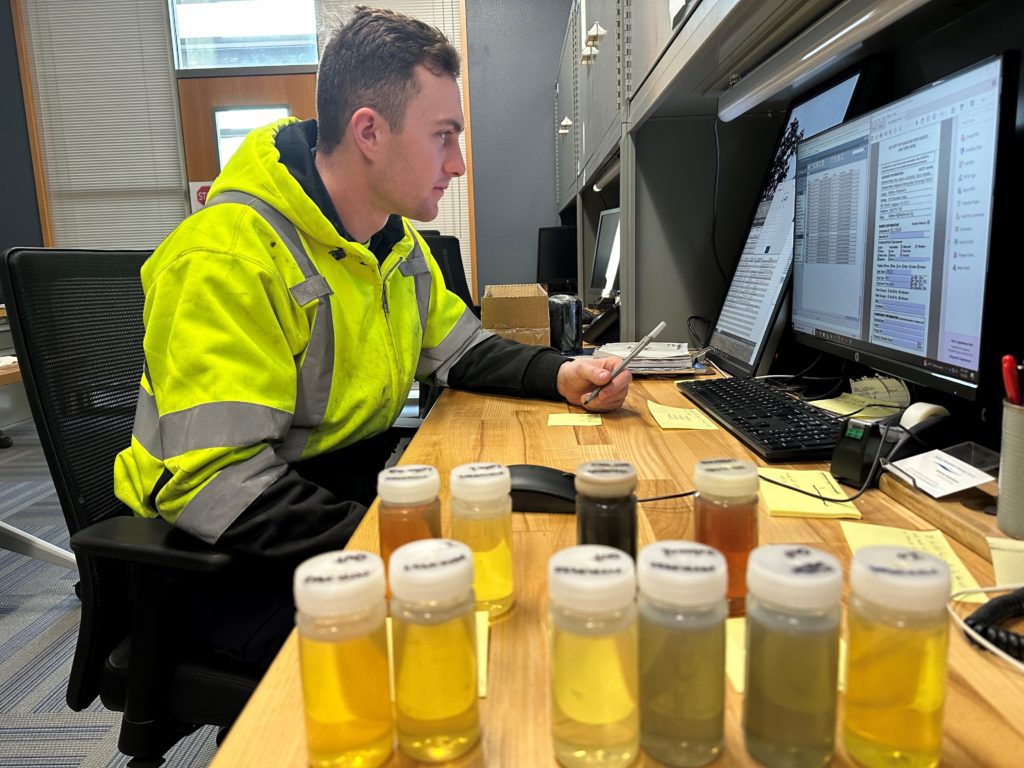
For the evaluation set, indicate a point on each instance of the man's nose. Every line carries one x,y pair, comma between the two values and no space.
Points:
454,165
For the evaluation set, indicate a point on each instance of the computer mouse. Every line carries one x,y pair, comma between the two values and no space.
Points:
542,489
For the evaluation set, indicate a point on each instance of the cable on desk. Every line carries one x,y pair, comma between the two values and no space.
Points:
703,341
975,637
670,496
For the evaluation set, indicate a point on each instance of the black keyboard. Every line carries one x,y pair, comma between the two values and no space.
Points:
772,424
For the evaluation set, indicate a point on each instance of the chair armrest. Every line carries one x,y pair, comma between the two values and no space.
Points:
148,542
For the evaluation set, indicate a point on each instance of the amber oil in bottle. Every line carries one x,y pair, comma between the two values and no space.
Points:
606,505
432,613
898,638
725,512
409,508
789,707
482,519
594,688
343,657
682,610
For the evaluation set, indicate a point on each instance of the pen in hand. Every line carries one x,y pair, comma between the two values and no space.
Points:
626,360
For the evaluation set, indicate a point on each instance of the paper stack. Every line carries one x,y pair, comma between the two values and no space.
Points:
658,357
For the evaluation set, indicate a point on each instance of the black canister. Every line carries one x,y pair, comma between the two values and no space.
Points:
565,314
606,505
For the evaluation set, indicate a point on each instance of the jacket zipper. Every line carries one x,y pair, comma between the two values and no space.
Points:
384,289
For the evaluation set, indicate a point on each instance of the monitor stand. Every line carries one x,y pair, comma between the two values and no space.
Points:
604,328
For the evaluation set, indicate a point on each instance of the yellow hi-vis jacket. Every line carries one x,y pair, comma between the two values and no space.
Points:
271,339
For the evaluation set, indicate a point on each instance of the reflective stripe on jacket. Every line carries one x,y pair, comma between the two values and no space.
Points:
271,339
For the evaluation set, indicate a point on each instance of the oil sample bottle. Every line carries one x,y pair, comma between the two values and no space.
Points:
434,649
482,520
682,651
606,505
343,656
725,512
594,691
789,709
898,636
409,507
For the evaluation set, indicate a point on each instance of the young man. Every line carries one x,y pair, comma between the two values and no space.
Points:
286,321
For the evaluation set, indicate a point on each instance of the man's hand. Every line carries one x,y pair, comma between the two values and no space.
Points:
578,378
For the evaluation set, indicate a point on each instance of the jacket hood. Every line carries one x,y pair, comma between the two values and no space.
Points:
256,168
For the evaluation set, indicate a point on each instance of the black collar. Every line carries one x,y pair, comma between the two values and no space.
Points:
296,143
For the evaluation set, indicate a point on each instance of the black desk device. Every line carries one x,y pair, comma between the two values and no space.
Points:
542,489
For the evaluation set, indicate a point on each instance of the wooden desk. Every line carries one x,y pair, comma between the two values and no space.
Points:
984,719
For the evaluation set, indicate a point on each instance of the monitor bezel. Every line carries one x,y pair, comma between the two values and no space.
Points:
560,228
598,291
917,374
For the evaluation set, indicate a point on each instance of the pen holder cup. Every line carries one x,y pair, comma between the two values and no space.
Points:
1010,505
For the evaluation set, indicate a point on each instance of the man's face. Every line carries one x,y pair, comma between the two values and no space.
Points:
425,156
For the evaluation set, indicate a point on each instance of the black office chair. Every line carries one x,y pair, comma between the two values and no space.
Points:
448,256
76,320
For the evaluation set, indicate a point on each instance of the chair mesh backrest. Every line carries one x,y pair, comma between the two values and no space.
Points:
76,318
448,255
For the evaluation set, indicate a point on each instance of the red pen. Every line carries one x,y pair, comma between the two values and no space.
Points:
1011,379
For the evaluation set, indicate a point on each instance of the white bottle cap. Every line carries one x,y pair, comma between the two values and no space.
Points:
682,573
900,578
730,478
481,481
591,577
795,576
605,479
408,484
431,569
339,583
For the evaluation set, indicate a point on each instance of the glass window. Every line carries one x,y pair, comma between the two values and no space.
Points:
243,33
233,125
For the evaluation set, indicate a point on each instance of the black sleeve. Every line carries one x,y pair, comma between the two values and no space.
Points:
502,367
292,520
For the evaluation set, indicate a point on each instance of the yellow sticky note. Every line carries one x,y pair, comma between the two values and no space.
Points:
574,420
736,654
863,407
1007,560
783,502
933,542
679,418
483,627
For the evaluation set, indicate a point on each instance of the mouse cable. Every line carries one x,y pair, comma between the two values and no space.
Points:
670,496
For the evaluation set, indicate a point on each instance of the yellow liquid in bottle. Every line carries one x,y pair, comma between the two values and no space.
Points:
435,687
348,708
594,714
895,690
490,539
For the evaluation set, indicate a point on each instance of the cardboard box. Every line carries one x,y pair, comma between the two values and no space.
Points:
517,312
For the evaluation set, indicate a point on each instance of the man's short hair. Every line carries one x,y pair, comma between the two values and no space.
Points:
370,62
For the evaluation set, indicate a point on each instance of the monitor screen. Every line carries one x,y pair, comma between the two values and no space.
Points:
893,221
750,321
556,255
604,278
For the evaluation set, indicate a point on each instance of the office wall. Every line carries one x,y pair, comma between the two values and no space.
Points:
513,61
19,213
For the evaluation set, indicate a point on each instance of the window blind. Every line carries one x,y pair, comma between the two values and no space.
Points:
102,79
453,211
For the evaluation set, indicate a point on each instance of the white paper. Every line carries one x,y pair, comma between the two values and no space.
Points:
938,474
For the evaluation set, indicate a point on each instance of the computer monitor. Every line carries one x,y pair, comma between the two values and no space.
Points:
893,224
556,258
753,317
604,275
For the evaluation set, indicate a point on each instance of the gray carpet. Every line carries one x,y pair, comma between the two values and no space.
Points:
38,627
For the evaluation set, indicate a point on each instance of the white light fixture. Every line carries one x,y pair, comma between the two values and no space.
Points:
565,125
607,177
840,32
588,54
595,33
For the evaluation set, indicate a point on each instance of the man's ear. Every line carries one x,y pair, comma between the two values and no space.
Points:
369,129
